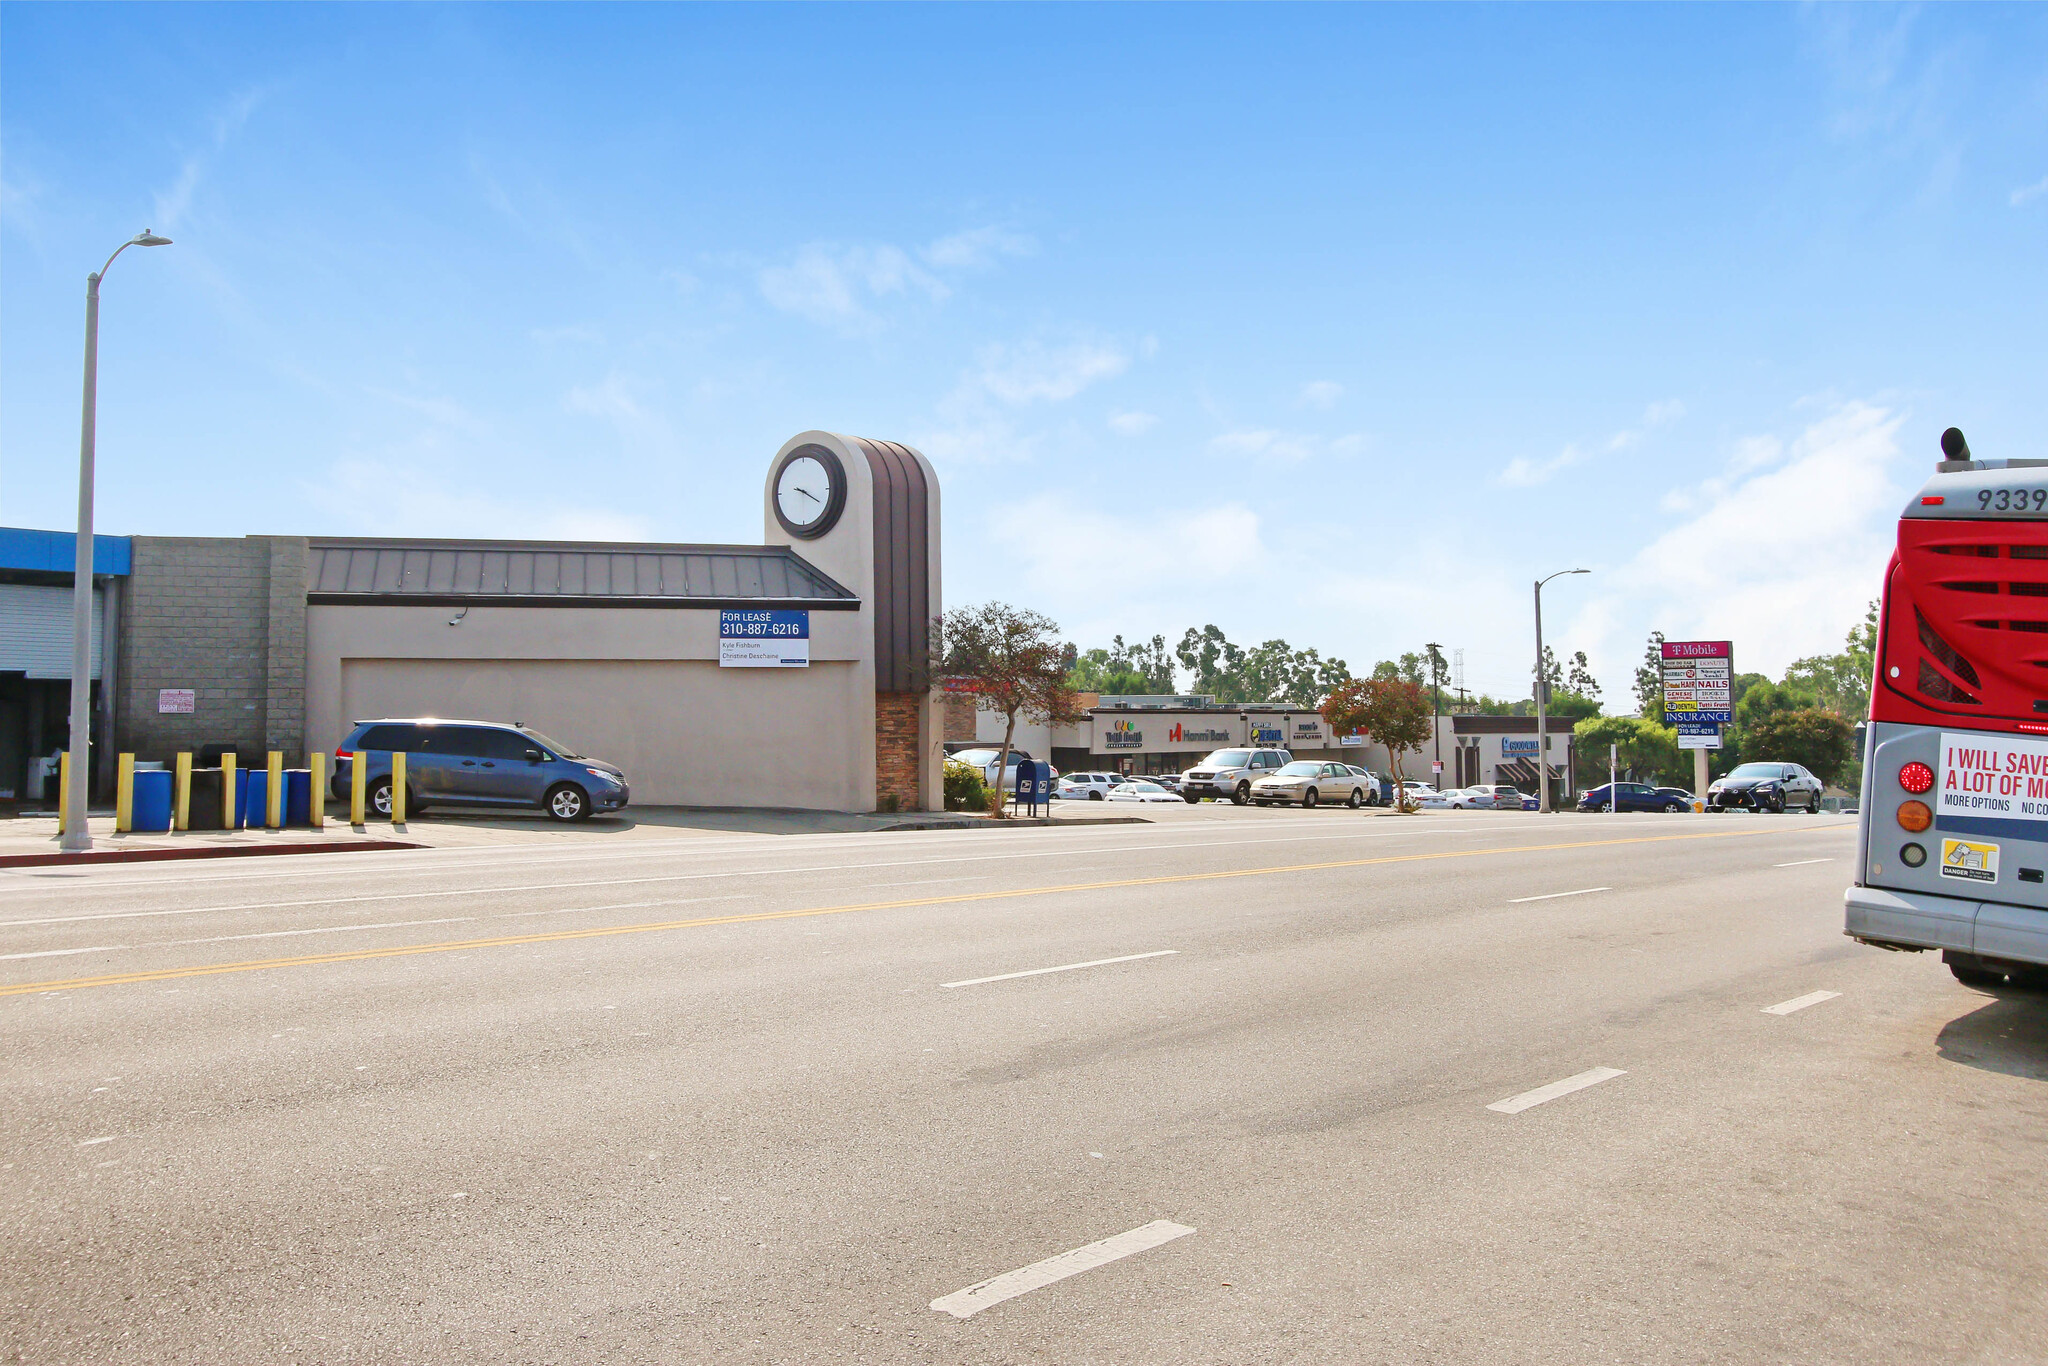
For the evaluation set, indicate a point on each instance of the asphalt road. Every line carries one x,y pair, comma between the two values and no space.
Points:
744,1100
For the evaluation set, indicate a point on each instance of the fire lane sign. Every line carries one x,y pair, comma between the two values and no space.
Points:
1699,677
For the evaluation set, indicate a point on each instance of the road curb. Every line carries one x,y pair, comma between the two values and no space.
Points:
207,851
1012,823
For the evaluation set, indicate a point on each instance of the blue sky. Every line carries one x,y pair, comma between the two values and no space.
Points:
1337,324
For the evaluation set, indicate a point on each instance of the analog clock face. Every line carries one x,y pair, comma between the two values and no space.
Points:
809,493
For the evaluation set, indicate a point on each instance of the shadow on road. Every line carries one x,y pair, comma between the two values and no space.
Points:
2008,1035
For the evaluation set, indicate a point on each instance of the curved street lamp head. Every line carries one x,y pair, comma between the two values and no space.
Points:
146,238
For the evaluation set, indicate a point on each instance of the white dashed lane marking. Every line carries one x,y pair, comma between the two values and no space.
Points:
1801,863
1008,1286
1064,967
1514,1105
1552,896
1811,998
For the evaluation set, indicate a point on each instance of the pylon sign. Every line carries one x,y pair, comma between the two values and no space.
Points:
1699,683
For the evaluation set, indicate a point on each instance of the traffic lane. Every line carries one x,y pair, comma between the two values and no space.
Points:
445,1109
77,943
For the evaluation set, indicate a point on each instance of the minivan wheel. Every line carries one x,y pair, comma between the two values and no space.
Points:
1242,794
378,800
568,802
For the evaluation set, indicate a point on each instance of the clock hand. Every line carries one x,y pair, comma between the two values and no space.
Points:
808,494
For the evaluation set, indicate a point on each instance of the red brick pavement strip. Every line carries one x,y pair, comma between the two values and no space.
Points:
158,855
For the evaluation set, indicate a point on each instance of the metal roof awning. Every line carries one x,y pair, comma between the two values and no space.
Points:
431,573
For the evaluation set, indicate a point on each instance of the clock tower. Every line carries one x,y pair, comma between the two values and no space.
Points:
866,512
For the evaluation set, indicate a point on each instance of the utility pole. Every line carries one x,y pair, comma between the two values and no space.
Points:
1436,710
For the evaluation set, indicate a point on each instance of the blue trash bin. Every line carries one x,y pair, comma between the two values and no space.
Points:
298,796
149,809
242,776
255,785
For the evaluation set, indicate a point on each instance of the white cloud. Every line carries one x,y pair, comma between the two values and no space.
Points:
834,285
1033,372
1790,543
1321,393
1132,424
609,399
173,204
2027,192
357,493
1274,447
1523,472
1124,551
978,248
840,285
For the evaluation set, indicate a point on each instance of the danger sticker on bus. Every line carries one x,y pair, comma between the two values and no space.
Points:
1995,777
1969,860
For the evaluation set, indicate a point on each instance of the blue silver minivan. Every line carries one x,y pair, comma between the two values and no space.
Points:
477,763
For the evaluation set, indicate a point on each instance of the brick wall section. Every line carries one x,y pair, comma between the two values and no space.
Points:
200,613
896,750
284,661
959,716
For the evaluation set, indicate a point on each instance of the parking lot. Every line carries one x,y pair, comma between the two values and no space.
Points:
1234,1085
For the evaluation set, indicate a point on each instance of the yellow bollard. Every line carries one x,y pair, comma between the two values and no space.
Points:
124,793
398,789
316,804
273,792
358,768
181,795
227,792
64,792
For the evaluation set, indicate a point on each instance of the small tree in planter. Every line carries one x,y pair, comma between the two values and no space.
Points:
1018,666
1393,711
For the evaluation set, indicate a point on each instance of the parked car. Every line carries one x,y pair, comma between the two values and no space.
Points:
1310,782
1416,791
1087,787
1140,792
1231,773
1765,787
1680,793
1633,797
1475,798
1170,781
1375,786
1434,800
476,763
985,759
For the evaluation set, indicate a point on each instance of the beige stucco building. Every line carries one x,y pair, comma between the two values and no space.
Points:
626,652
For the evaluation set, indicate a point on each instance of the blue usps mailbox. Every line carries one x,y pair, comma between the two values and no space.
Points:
1034,784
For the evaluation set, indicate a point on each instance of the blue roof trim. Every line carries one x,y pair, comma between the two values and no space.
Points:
55,552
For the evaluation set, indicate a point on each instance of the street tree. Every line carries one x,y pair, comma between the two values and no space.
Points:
1014,663
1812,736
1650,679
1393,711
1144,667
1646,750
1272,672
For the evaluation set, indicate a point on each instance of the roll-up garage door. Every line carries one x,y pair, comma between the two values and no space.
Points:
35,630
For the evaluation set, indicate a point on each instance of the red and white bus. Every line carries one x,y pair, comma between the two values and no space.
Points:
1952,851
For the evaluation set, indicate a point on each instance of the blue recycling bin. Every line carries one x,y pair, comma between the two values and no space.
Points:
298,796
241,804
255,785
149,802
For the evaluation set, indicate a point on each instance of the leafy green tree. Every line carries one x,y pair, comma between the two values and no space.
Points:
1580,680
1145,667
1017,665
1647,751
1393,711
1409,666
1812,736
1841,681
1274,671
1650,679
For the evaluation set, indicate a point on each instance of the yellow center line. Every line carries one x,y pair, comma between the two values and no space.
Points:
557,936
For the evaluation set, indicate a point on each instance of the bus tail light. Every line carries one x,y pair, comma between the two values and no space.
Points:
1915,816
1916,777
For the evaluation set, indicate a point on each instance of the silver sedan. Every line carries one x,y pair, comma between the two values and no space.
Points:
1310,782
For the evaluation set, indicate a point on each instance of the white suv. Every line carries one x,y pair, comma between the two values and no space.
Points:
1231,773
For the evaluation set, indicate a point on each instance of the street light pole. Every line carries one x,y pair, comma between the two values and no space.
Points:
1436,710
77,834
1542,688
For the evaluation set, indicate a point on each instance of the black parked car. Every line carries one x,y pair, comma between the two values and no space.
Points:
1765,787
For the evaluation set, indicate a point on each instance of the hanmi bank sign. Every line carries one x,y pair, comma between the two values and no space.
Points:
1162,732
